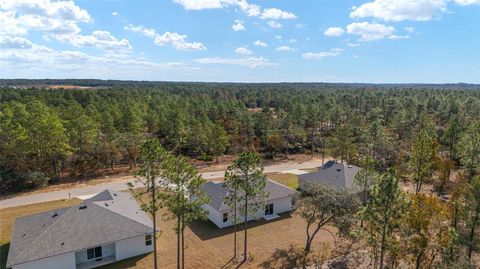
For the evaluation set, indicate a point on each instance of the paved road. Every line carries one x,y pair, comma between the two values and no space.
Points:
122,185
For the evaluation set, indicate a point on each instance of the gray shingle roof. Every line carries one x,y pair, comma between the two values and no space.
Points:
107,217
334,174
218,192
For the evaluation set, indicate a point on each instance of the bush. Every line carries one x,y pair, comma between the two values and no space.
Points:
206,157
38,179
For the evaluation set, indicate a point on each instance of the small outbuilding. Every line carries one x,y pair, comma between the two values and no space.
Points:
278,201
106,228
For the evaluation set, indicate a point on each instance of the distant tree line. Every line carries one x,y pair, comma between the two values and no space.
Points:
49,134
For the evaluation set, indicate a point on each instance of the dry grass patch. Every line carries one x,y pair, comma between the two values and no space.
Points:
8,216
289,180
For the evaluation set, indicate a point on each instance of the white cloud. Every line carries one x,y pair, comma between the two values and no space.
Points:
26,59
248,8
355,56
409,29
54,19
259,43
100,39
238,26
276,14
284,48
292,40
274,24
251,62
467,2
353,44
243,51
176,40
399,37
370,31
334,31
148,32
114,13
278,37
8,42
323,54
395,10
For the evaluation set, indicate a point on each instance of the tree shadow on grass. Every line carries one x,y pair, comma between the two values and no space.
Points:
207,230
3,255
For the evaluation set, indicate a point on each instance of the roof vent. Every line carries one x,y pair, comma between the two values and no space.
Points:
23,235
349,166
54,215
82,207
114,194
106,204
62,243
339,170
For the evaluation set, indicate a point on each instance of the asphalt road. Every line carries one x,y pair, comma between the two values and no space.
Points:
122,185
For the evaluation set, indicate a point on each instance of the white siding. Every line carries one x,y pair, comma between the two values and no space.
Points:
132,247
280,205
64,261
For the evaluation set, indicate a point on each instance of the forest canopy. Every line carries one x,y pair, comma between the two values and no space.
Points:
46,134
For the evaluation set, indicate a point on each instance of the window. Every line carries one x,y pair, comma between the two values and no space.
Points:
93,253
269,209
225,217
148,240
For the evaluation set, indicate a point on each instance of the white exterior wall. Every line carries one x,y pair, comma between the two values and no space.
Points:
280,205
64,261
132,247
216,217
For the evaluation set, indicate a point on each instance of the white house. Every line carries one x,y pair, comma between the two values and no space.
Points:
106,228
279,201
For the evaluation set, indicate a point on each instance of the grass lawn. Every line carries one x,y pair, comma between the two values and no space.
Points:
206,245
287,179
8,216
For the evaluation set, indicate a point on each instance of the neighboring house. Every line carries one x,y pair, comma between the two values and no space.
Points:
106,228
334,174
278,201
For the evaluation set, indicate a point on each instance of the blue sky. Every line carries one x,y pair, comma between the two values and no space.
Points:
378,41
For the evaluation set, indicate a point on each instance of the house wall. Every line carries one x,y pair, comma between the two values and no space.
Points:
107,250
64,261
131,247
280,205
216,217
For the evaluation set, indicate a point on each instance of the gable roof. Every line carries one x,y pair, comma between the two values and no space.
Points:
106,217
334,174
218,192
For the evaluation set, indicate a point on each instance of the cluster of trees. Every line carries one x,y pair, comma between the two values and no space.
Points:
49,134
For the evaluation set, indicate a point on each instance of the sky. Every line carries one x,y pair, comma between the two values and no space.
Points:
368,41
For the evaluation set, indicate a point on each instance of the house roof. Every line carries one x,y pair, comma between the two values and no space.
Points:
218,192
106,217
335,174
